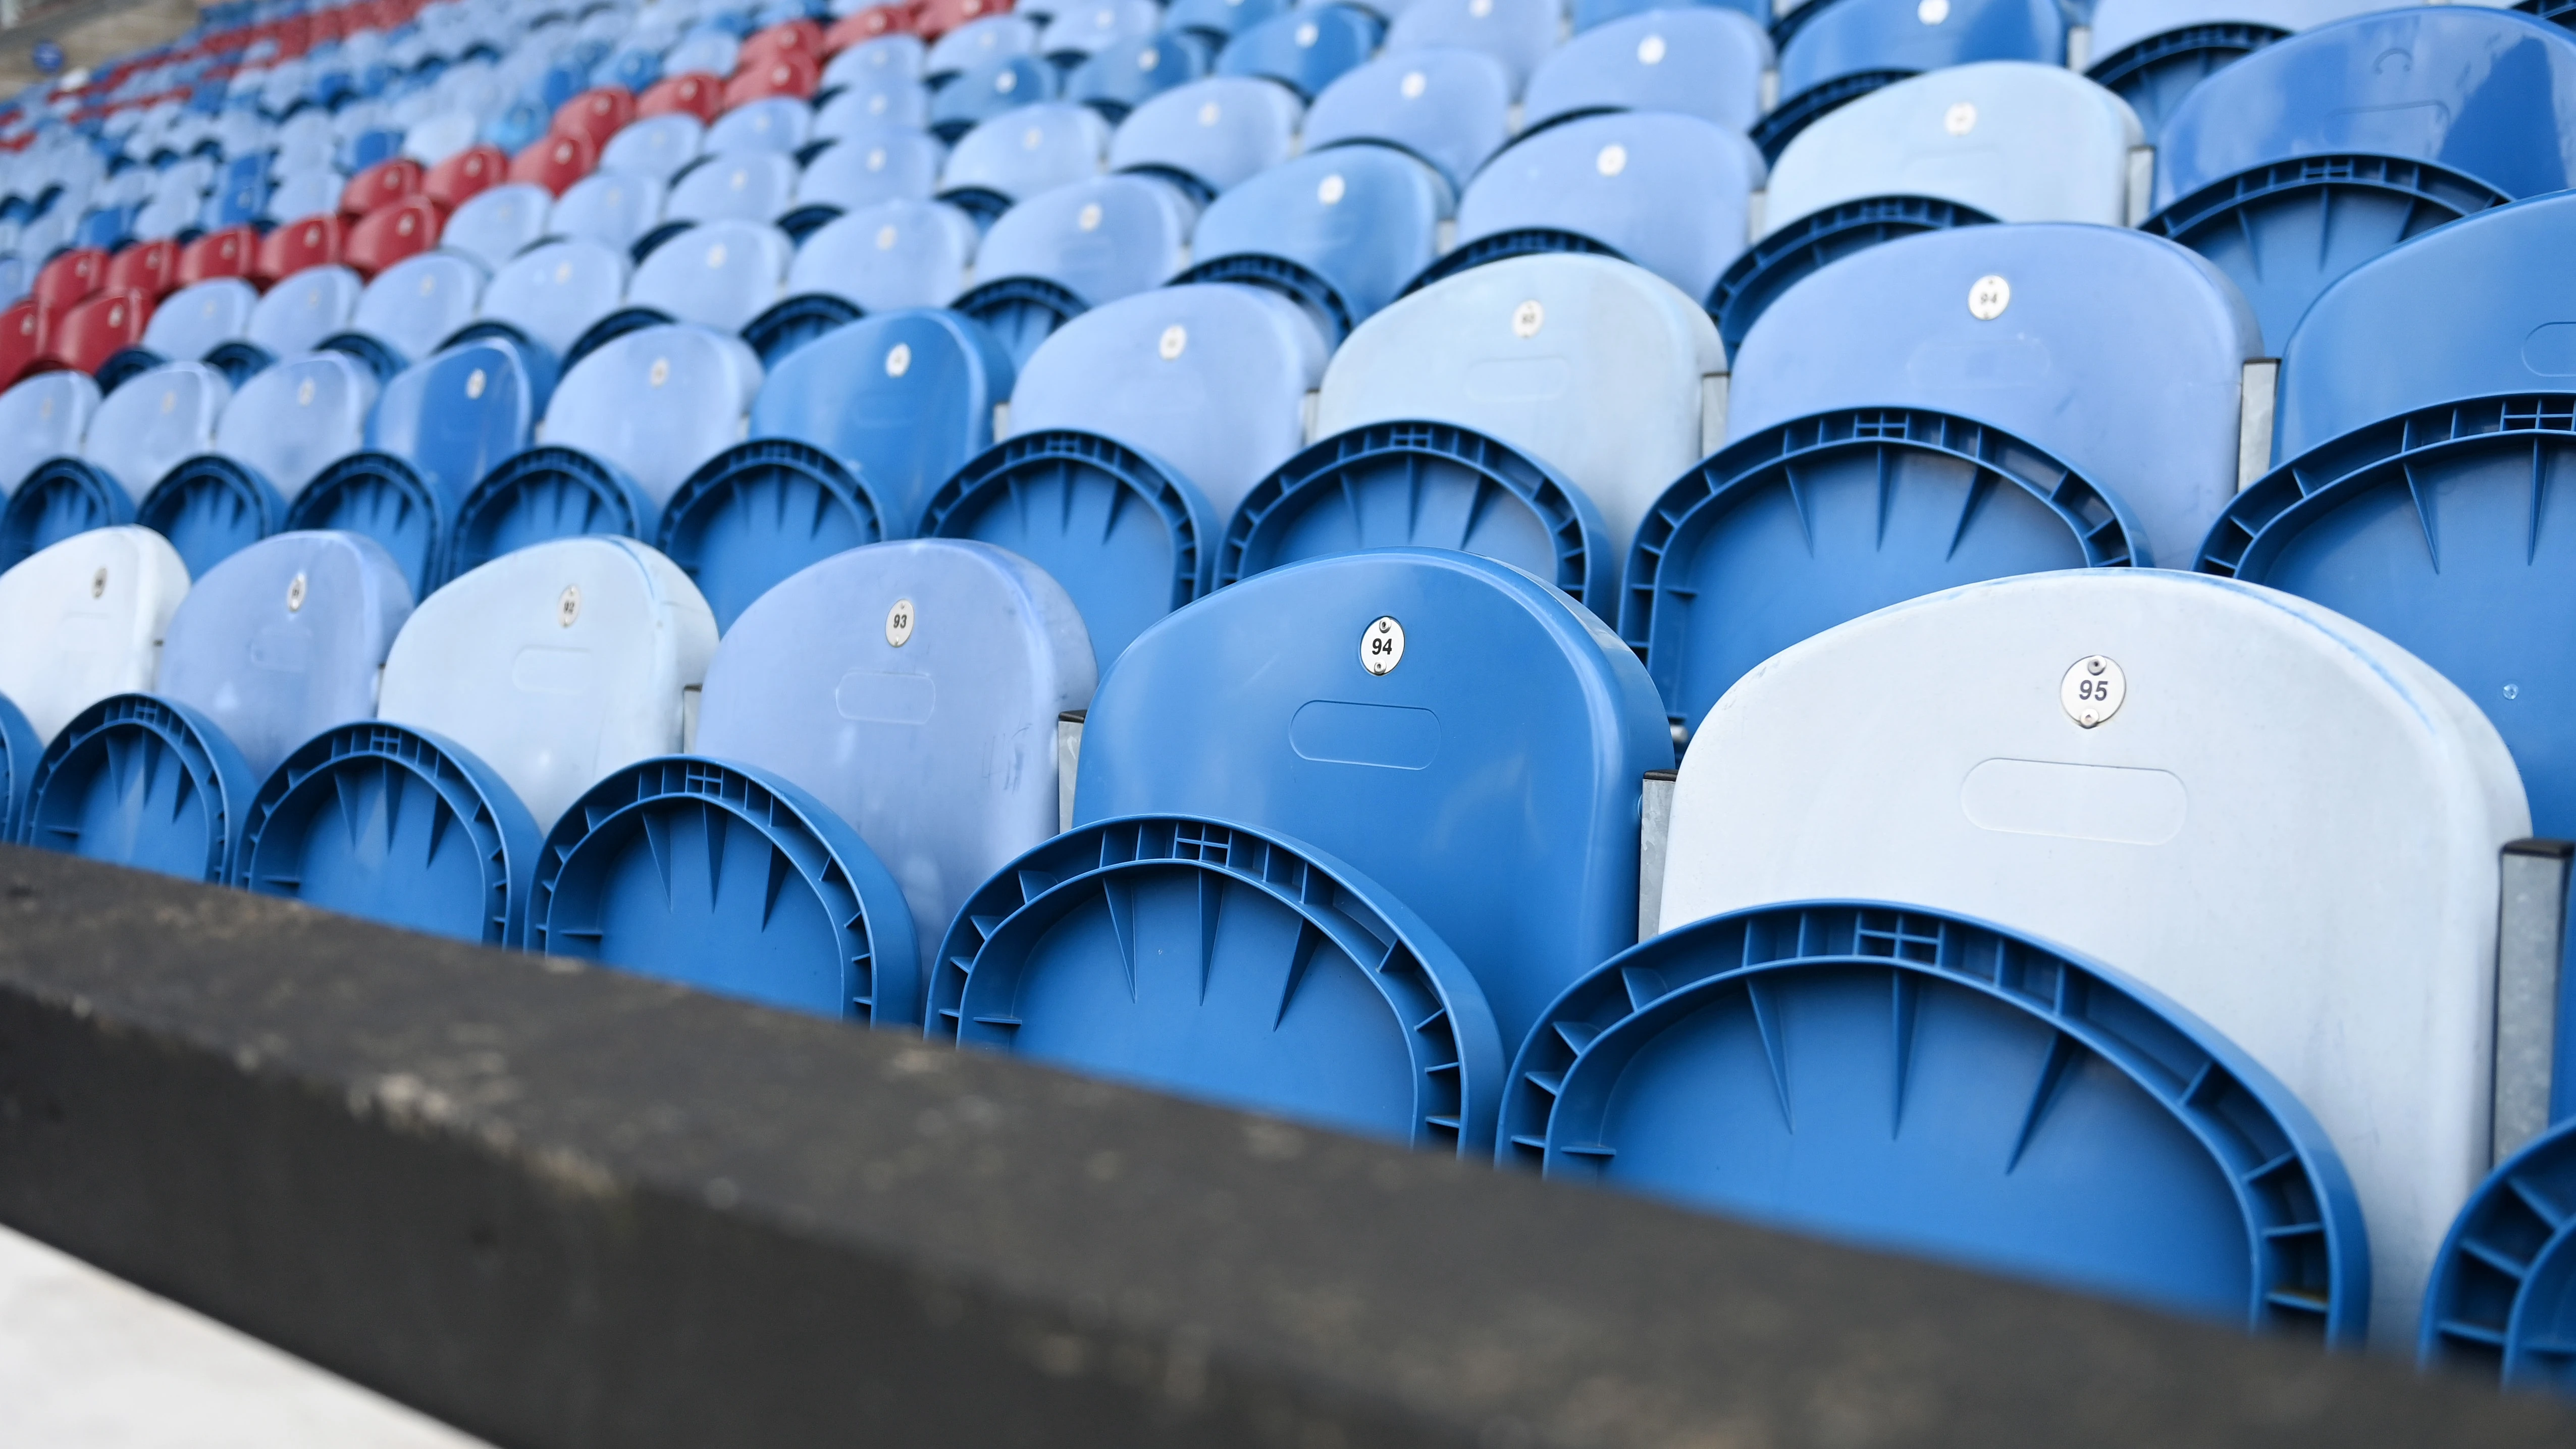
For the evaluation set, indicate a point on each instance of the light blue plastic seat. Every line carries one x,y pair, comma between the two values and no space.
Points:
1014,157
1449,107
471,749
1699,60
549,296
1122,76
277,431
703,49
305,193
655,146
2311,156
1214,22
613,208
745,186
782,124
871,101
849,437
2152,52
892,255
138,434
979,42
415,304
1835,53
1063,251
1995,141
993,88
43,417
1518,33
1671,193
1086,27
1209,135
437,427
294,316
498,224
626,426
719,274
1306,49
1485,776
1134,429
886,58
868,167
164,217
1340,232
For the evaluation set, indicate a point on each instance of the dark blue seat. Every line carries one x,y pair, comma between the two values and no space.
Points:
2152,52
1064,251
1218,21
1837,51
1449,107
1340,232
1306,49
1699,60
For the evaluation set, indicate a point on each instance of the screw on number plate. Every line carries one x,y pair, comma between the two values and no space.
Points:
1382,646
568,608
295,594
2092,690
899,621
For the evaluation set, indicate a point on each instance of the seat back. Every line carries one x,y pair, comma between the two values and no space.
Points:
656,403
1450,107
1536,351
1306,49
656,146
612,208
1027,151
890,255
873,166
498,224
2324,897
993,88
1671,193
979,41
1699,61
1118,78
45,416
416,304
554,293
1351,226
2121,355
927,717
743,186
720,274
455,415
1837,41
1080,30
780,124
196,320
1486,769
870,98
1210,134
292,420
1518,33
554,664
904,398
154,421
1081,245
83,619
300,311
284,639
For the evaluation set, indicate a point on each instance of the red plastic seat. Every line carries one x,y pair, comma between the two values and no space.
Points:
866,25
149,267
22,336
68,278
458,179
792,37
231,252
556,162
596,114
696,92
783,75
381,185
92,332
307,243
389,234
936,18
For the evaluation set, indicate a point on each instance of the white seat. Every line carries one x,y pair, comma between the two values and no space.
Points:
2287,824
554,664
83,619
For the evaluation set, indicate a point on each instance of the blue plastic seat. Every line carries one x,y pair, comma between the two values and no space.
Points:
428,816
870,101
994,88
1529,411
277,431
1208,135
1340,232
892,255
883,165
1680,1070
1838,52
2404,492
1134,430
2152,52
549,296
849,437
1448,107
1214,22
1671,193
782,124
656,146
412,306
2202,834
2498,1303
1518,33
1699,60
626,426
720,274
745,186
86,618
704,48
1305,49
139,433
930,746
886,58
1996,141
437,427
1485,770
43,417
2309,157
1063,251
1086,27
979,42
294,316
498,224
1122,76
303,194
1011,158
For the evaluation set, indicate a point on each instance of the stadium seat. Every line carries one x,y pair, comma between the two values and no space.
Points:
614,208
1482,765
382,185
793,37
853,43
315,241
1207,136
720,274
1671,193
550,295
655,146
1305,49
781,124
2425,399
1079,30
149,267
780,77
470,740
1013,157
304,195
596,114
2309,157
1999,141
995,87
43,417
86,618
294,316
498,223
935,19
749,186
695,94
276,432
392,234
1833,54
1339,232
1518,33
230,251
880,258
2150,53
979,42
1700,60
1214,22
2498,1305
870,100
139,433
68,278
624,429
2178,828
409,309
1120,77
848,438
466,175
95,329
888,165
1072,248
437,427
1469,415
555,163
195,320
1449,107
706,50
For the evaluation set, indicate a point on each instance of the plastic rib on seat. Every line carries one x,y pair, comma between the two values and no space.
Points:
2497,1305
139,433
1833,54
277,431
144,782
